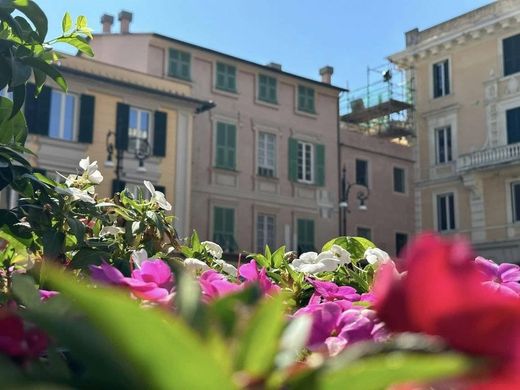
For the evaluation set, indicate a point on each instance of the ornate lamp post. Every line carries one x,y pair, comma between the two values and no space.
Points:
141,153
362,197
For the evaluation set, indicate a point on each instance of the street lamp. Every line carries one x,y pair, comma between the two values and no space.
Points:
141,152
362,197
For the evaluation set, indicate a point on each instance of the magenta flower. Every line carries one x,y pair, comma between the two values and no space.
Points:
215,285
152,282
47,294
503,278
328,291
250,273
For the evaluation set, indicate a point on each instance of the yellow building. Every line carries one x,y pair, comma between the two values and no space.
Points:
145,113
465,74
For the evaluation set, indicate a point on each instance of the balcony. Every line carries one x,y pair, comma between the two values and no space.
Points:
489,157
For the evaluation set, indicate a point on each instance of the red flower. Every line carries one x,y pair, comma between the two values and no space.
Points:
443,294
17,342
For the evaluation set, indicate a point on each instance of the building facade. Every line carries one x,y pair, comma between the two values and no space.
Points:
66,127
264,160
465,74
382,171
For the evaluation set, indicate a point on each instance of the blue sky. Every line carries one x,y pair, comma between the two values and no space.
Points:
302,35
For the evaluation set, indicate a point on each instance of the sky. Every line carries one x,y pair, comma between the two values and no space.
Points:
302,35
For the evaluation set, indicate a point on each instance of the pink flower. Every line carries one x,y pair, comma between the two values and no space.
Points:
16,341
152,282
250,273
46,294
503,278
215,285
328,291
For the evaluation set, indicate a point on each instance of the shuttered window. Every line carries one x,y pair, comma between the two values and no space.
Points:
267,89
401,240
305,235
225,153
511,54
306,99
306,162
226,77
179,64
399,180
513,125
443,145
224,228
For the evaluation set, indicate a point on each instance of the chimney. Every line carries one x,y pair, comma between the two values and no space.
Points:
326,74
274,65
125,18
107,21
412,37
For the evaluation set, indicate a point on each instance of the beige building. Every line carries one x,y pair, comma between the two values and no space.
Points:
66,127
264,160
466,77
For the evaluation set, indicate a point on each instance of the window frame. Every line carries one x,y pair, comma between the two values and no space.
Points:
445,63
407,239
75,120
369,230
367,172
304,108
514,210
451,226
404,186
149,138
503,56
262,219
215,160
304,164
181,62
225,87
259,164
448,147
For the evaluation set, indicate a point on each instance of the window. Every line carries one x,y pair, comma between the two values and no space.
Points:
179,64
306,99
226,77
266,154
362,172
441,79
225,146
305,234
445,212
400,241
515,197
305,162
267,89
443,152
138,130
265,231
224,228
63,116
399,180
364,232
511,53
513,125
5,93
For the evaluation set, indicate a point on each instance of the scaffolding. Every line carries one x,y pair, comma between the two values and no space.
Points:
384,106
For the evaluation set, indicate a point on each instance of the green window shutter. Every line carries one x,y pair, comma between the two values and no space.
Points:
220,160
293,159
231,139
225,146
86,119
319,167
122,117
305,234
159,133
117,186
37,110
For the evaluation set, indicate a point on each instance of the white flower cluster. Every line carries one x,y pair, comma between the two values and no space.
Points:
196,266
91,175
327,261
157,196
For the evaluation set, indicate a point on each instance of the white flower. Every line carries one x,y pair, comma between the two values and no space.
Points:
213,249
111,231
70,180
312,263
76,194
195,265
91,171
376,256
342,254
157,196
138,257
227,268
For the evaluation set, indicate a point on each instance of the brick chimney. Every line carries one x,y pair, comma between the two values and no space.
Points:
107,21
125,18
326,74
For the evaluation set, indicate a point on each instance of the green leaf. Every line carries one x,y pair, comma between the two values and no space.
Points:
66,23
53,242
77,228
36,16
12,130
356,246
50,70
24,288
87,256
81,22
259,343
277,257
79,43
172,357
381,371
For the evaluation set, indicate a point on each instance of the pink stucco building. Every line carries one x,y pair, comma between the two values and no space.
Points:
263,164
